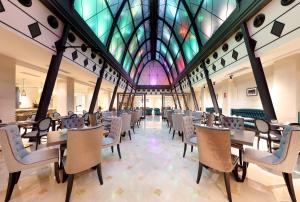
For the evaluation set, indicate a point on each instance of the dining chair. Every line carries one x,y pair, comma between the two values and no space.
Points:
197,116
188,133
169,120
17,158
113,137
84,152
134,119
265,133
93,120
126,125
210,120
56,115
86,119
43,127
73,116
282,160
177,125
214,148
69,123
70,113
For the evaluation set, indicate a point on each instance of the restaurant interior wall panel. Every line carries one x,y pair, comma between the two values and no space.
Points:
7,89
70,94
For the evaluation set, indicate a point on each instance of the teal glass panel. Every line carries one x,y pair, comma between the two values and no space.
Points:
127,62
166,34
125,23
97,16
117,46
169,58
161,7
190,46
163,49
193,5
114,5
136,11
171,10
140,33
132,72
133,46
174,46
182,23
180,63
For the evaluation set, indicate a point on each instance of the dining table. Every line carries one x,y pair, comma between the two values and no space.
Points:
55,138
239,139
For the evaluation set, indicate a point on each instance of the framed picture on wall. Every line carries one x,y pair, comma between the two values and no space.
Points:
251,91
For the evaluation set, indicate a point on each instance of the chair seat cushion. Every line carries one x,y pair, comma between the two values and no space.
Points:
42,156
34,134
261,158
107,141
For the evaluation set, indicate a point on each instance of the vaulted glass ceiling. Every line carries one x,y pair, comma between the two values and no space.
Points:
183,27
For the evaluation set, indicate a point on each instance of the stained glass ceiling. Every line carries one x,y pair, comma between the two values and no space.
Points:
183,27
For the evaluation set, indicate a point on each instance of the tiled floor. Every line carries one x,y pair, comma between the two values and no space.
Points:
152,169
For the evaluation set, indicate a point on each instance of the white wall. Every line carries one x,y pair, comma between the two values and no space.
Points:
7,89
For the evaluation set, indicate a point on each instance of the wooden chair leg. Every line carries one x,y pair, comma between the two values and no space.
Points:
119,152
112,149
182,137
37,141
170,129
18,174
184,150
56,171
173,134
99,172
199,172
258,140
227,184
288,178
192,148
10,186
70,186
129,134
65,176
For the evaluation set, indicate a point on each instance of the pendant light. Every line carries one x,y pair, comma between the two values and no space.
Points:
23,93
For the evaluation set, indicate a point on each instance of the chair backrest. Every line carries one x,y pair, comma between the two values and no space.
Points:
12,147
69,123
232,123
177,122
84,149
106,114
56,115
86,118
262,126
197,115
214,148
73,116
210,120
188,127
289,149
134,117
169,116
126,121
70,113
92,119
115,129
44,124
32,118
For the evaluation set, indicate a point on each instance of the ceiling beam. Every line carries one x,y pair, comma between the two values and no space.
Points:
153,24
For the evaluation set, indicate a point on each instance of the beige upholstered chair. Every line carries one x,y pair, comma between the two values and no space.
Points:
93,120
265,133
43,127
134,119
84,152
282,160
17,158
85,117
214,147
210,120
177,124
69,123
114,135
197,117
189,136
126,124
169,119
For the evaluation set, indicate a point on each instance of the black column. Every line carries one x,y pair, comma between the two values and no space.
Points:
114,93
211,90
131,104
184,98
52,75
259,75
177,97
174,99
123,96
127,105
193,94
97,89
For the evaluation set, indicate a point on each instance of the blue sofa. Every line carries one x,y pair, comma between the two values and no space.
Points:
251,113
212,110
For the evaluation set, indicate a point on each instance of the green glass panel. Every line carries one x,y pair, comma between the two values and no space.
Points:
163,49
171,10
117,46
182,23
169,58
180,63
133,46
114,5
104,26
125,23
136,11
190,46
166,34
127,62
140,33
174,46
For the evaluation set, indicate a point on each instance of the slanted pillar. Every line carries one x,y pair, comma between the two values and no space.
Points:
114,93
193,94
177,97
184,98
259,75
97,89
52,75
123,97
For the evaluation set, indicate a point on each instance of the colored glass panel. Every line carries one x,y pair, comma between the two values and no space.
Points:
190,46
127,62
125,23
133,46
117,46
182,23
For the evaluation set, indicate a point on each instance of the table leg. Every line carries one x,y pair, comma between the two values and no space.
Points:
241,166
62,150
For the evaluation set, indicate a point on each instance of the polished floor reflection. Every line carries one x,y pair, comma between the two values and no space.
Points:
151,169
